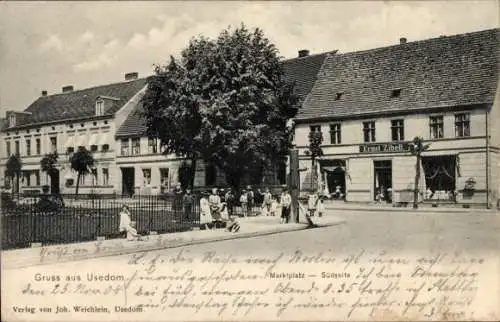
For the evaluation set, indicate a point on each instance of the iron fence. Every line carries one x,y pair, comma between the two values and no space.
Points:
56,219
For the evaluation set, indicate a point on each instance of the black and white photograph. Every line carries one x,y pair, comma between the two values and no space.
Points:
250,160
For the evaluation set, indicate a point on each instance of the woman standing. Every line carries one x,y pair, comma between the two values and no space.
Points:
205,213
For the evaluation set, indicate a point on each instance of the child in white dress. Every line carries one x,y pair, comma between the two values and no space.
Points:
205,213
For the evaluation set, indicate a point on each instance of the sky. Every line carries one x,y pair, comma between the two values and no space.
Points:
47,45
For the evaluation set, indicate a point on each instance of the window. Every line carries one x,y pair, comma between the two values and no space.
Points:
462,124
38,146
27,178
396,92
315,128
53,144
28,147
136,146
12,120
369,131
94,177
164,177
146,174
125,147
152,147
436,126
398,130
105,147
7,147
99,108
70,150
335,136
37,177
338,96
17,150
105,176
93,148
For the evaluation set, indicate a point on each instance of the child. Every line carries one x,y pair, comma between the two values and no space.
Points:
127,225
274,206
244,202
321,206
312,203
205,213
286,203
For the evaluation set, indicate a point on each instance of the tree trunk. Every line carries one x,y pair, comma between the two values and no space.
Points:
77,184
417,180
193,172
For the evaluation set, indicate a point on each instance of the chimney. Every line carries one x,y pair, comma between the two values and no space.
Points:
44,93
303,53
402,40
131,76
67,89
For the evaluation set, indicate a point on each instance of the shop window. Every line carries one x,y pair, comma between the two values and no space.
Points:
28,147
398,130
105,176
38,146
7,148
125,147
440,177
136,146
146,174
369,131
436,126
462,125
152,146
335,133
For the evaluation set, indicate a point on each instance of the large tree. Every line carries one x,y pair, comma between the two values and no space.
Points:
416,148
48,165
82,162
225,101
14,166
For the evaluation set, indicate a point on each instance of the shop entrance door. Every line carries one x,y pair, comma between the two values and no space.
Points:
382,191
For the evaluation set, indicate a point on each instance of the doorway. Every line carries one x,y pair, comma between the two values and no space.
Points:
334,172
128,181
382,181
54,182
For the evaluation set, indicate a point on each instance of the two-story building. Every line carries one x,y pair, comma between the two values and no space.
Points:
143,168
63,122
370,104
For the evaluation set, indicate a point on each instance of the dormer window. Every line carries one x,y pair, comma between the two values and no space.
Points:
338,96
396,92
12,120
99,108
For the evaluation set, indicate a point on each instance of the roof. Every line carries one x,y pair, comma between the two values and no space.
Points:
302,71
79,103
447,71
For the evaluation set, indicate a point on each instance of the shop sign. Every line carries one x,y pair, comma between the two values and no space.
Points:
383,148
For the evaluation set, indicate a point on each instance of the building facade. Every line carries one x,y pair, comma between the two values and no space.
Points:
369,105
63,122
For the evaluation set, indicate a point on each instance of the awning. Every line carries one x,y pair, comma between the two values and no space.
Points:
104,138
93,139
70,142
333,169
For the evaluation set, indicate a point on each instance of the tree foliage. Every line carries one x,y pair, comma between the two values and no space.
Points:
13,169
417,147
82,162
48,163
225,101
315,150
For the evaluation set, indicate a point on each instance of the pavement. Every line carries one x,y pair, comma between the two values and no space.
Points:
250,227
385,207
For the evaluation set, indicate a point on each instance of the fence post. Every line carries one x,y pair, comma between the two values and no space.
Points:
99,228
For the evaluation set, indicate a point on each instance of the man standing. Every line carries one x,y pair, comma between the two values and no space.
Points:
286,203
188,201
250,200
230,200
215,203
